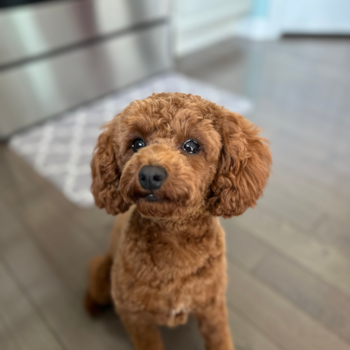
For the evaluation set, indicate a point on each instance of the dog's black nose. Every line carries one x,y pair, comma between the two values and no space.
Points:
151,177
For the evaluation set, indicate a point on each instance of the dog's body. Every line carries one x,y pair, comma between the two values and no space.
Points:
169,165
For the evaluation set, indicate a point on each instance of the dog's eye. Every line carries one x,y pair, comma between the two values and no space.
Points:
191,146
138,144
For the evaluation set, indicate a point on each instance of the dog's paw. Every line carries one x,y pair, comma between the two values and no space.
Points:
94,309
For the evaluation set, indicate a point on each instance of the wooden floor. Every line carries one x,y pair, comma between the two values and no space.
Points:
289,259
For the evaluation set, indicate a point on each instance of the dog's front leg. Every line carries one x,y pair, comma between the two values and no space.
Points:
142,330
212,320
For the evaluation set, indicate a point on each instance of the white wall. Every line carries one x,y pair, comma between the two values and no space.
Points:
269,19
200,23
317,16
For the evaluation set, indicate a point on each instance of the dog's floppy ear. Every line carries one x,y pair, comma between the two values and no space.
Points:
106,173
243,169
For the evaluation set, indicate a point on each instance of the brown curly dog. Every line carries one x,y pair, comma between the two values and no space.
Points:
169,166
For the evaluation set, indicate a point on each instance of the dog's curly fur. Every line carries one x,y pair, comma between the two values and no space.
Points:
167,258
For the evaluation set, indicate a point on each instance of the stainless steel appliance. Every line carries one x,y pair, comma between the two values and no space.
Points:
55,55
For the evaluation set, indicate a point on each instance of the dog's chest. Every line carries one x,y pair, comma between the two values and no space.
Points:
168,301
167,280
168,296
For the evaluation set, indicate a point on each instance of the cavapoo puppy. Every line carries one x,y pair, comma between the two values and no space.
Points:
168,166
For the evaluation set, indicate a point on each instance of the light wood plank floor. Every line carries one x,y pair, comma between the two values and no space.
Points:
289,259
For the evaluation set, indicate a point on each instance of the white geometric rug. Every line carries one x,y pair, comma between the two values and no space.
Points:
60,149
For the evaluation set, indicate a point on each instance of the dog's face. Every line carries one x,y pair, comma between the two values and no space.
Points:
174,155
